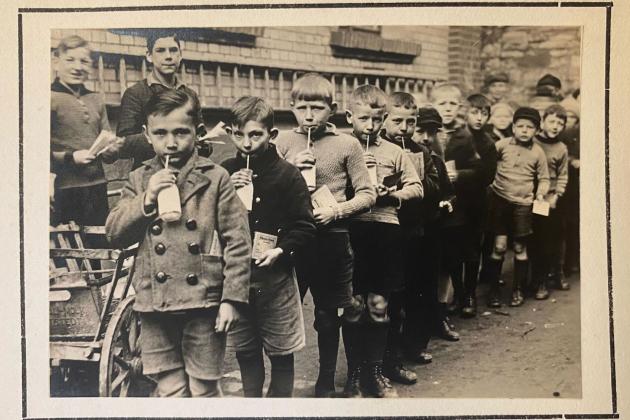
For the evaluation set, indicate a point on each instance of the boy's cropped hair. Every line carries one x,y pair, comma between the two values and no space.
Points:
312,87
402,100
479,101
251,108
446,87
165,102
69,43
368,95
156,34
557,110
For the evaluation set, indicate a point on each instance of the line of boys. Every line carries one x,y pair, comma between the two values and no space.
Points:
368,286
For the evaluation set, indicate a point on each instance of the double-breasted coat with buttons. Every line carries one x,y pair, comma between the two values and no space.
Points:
282,205
177,267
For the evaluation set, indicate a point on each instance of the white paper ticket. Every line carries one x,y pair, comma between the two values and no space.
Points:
216,250
322,197
541,207
262,242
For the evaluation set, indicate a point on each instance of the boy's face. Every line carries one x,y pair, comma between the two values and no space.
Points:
400,123
73,66
165,56
502,119
552,126
366,121
252,138
313,114
447,104
428,133
476,118
497,90
172,135
572,119
524,130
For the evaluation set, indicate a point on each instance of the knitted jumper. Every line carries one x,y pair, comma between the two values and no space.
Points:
558,162
339,164
391,159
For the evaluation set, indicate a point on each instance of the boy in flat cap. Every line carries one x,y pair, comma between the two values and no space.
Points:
521,175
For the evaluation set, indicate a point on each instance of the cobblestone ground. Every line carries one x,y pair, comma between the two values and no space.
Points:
526,352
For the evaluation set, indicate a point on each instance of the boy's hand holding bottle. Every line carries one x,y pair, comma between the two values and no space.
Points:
304,159
159,181
242,177
82,157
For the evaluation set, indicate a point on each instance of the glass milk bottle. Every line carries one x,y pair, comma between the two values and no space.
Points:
169,205
246,192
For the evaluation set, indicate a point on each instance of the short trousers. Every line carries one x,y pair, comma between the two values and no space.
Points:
505,218
184,339
378,257
87,206
273,319
325,266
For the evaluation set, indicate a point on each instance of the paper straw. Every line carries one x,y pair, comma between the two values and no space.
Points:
308,140
166,163
247,164
367,143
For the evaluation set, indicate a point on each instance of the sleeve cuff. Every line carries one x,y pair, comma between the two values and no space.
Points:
152,213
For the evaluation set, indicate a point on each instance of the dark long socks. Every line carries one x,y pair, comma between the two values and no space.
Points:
252,372
282,376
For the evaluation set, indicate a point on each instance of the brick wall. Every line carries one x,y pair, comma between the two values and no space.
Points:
222,73
464,64
527,53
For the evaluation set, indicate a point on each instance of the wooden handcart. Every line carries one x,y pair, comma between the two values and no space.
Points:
91,315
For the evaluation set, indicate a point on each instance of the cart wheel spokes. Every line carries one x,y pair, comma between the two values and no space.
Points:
120,370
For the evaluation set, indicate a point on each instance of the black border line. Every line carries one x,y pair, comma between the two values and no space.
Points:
346,5
608,5
21,207
611,321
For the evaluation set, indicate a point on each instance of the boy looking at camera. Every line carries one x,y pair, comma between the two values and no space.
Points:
549,230
77,118
521,164
399,129
376,239
281,214
326,264
165,54
192,273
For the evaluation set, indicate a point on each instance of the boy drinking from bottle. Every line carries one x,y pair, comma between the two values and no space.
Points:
281,222
326,264
192,274
377,242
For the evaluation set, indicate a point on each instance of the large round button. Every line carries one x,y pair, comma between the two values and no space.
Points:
257,199
160,248
160,276
191,224
156,228
193,248
192,279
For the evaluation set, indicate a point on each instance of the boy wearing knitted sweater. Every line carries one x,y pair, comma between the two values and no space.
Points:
326,264
377,244
549,230
521,164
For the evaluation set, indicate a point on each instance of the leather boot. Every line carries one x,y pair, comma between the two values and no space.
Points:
521,268
375,384
352,389
469,303
541,292
443,329
493,272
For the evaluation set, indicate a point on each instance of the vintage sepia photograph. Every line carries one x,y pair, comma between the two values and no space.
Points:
315,211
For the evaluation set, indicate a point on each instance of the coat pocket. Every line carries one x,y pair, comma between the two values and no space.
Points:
212,271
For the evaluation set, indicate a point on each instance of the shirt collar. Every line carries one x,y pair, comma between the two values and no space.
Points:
331,130
57,86
260,163
151,80
528,144
376,141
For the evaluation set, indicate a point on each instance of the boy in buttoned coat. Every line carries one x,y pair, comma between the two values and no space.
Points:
192,274
281,218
